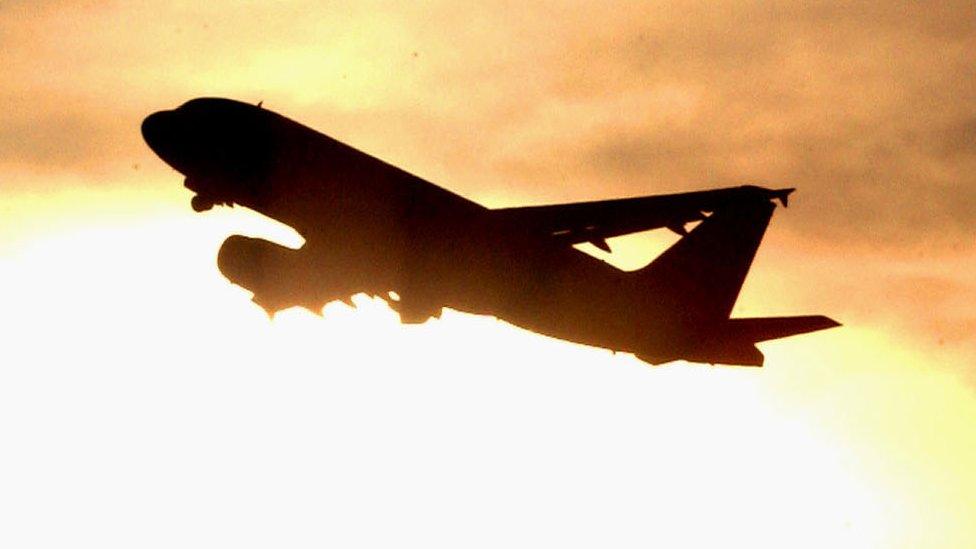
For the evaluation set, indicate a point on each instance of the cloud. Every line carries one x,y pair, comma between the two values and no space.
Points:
867,109
59,134
855,107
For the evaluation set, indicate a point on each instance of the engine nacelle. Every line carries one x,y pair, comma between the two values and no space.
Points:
281,277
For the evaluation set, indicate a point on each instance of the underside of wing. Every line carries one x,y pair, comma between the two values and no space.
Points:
594,222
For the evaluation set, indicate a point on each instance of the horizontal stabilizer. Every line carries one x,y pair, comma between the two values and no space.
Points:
763,329
733,342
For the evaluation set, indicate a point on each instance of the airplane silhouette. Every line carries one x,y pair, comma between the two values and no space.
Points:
371,227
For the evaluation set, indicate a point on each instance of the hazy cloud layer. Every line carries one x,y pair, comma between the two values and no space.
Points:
868,108
126,351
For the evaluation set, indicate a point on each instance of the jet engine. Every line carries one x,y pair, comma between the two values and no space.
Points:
280,277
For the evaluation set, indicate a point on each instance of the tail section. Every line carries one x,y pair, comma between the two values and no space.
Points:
697,281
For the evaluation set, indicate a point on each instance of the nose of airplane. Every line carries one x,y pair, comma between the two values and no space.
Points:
157,130
164,134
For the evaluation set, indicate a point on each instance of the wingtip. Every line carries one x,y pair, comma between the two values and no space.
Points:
784,196
826,323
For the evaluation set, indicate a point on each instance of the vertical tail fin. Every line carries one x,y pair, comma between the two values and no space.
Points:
702,273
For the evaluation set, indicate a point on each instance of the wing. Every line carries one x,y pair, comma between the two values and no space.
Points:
594,222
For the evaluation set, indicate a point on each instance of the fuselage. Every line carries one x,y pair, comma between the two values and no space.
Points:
371,227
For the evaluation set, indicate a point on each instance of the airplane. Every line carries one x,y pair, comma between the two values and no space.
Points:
370,227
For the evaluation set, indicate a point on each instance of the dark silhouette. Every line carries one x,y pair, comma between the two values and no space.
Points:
371,227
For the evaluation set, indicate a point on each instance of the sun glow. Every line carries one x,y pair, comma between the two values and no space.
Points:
147,402
129,325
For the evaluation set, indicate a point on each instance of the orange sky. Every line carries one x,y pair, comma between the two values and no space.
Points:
144,401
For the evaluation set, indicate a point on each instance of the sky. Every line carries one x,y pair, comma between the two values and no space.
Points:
144,401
